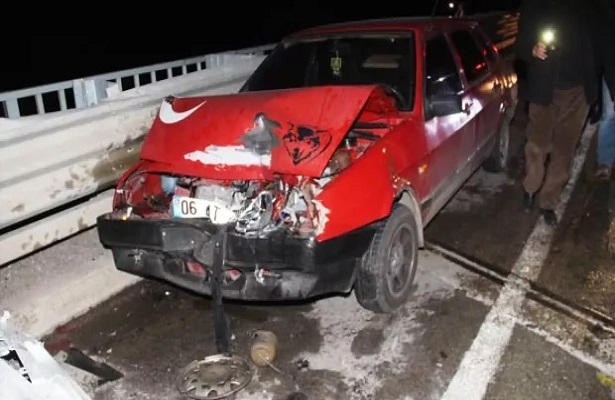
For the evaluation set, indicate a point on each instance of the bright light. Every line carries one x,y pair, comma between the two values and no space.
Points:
451,5
548,36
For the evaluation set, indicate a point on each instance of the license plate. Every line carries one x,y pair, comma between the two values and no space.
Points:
188,207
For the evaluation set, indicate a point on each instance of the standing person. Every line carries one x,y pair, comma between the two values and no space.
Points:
460,12
605,46
562,82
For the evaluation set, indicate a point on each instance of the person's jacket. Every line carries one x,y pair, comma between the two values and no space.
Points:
540,75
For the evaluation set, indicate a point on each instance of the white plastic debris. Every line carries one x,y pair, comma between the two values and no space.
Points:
29,372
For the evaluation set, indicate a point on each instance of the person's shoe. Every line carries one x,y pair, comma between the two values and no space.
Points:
549,216
528,201
603,173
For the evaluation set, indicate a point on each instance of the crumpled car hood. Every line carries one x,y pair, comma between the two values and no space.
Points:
255,134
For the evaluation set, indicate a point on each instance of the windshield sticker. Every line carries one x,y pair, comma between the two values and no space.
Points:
336,64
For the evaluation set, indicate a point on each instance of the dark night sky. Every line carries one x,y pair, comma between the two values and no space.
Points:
115,38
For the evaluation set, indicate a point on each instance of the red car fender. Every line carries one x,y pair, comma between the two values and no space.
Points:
365,192
361,194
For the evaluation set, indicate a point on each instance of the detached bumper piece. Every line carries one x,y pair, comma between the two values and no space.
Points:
28,371
275,267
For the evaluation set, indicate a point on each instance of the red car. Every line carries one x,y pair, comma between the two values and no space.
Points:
320,174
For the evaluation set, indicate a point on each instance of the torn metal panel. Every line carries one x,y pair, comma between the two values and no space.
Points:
29,372
359,196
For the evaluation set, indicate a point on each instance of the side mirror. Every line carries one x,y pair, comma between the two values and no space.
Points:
441,105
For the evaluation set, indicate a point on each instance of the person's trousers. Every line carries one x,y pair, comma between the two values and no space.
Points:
606,130
553,131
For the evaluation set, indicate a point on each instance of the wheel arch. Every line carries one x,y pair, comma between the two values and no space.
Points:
407,197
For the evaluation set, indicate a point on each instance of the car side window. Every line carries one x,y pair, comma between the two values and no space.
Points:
441,74
473,61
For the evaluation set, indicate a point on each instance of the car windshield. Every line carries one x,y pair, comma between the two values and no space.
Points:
352,59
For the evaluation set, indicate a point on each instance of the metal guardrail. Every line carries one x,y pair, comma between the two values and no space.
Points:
55,167
87,92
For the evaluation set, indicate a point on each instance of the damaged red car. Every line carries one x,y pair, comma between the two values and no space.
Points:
320,175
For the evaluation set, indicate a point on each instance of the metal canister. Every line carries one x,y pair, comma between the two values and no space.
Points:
264,347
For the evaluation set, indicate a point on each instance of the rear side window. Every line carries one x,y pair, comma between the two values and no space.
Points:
441,75
473,61
486,47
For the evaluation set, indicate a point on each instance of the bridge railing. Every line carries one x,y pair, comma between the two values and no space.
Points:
87,92
57,168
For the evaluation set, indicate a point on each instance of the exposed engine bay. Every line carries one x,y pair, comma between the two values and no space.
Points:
254,207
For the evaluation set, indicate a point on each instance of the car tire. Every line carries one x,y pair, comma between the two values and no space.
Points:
500,155
388,267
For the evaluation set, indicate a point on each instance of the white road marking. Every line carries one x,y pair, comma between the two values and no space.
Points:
481,361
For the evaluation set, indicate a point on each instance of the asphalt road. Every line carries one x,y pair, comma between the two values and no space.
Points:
536,328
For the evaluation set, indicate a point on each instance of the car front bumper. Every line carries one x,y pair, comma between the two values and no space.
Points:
277,267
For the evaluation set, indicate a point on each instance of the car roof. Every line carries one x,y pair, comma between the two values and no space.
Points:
387,24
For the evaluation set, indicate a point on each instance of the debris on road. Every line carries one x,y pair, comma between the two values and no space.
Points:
606,380
215,377
29,372
263,350
220,375
103,371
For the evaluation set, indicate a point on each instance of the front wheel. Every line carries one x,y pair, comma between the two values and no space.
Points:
388,268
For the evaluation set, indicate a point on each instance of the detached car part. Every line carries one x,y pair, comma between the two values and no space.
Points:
27,370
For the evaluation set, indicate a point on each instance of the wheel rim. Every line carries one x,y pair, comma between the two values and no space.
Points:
400,262
503,146
215,377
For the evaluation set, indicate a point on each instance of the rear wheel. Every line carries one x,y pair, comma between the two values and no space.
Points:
388,268
498,160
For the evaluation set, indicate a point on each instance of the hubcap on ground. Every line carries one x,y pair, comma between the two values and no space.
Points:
215,377
400,261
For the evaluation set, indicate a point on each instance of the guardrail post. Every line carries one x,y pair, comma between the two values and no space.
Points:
11,108
89,92
212,60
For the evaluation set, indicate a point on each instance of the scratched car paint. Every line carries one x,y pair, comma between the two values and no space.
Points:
319,176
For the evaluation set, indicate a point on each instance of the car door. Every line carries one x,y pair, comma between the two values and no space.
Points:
496,83
482,88
447,134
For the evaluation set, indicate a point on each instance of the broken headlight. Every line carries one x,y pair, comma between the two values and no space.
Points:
168,183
